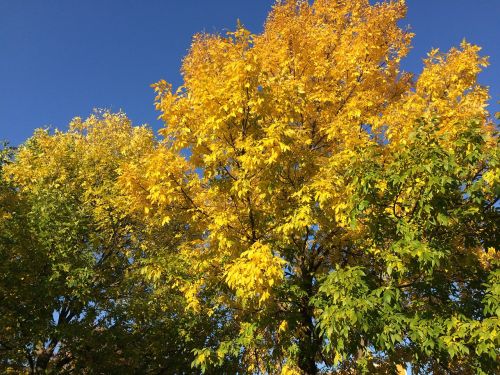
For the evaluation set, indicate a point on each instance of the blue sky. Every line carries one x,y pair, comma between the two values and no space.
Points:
62,58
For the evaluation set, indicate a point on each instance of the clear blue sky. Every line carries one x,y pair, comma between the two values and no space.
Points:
62,58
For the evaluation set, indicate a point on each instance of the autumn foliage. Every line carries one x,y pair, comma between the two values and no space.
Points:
310,208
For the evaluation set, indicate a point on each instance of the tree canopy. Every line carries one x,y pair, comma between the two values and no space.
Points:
309,209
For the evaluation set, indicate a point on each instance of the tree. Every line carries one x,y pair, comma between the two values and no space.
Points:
342,214
73,298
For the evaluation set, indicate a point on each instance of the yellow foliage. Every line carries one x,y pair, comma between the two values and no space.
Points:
255,272
488,258
446,90
290,370
190,291
86,160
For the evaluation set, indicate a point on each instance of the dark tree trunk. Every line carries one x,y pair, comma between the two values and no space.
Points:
308,344
42,361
